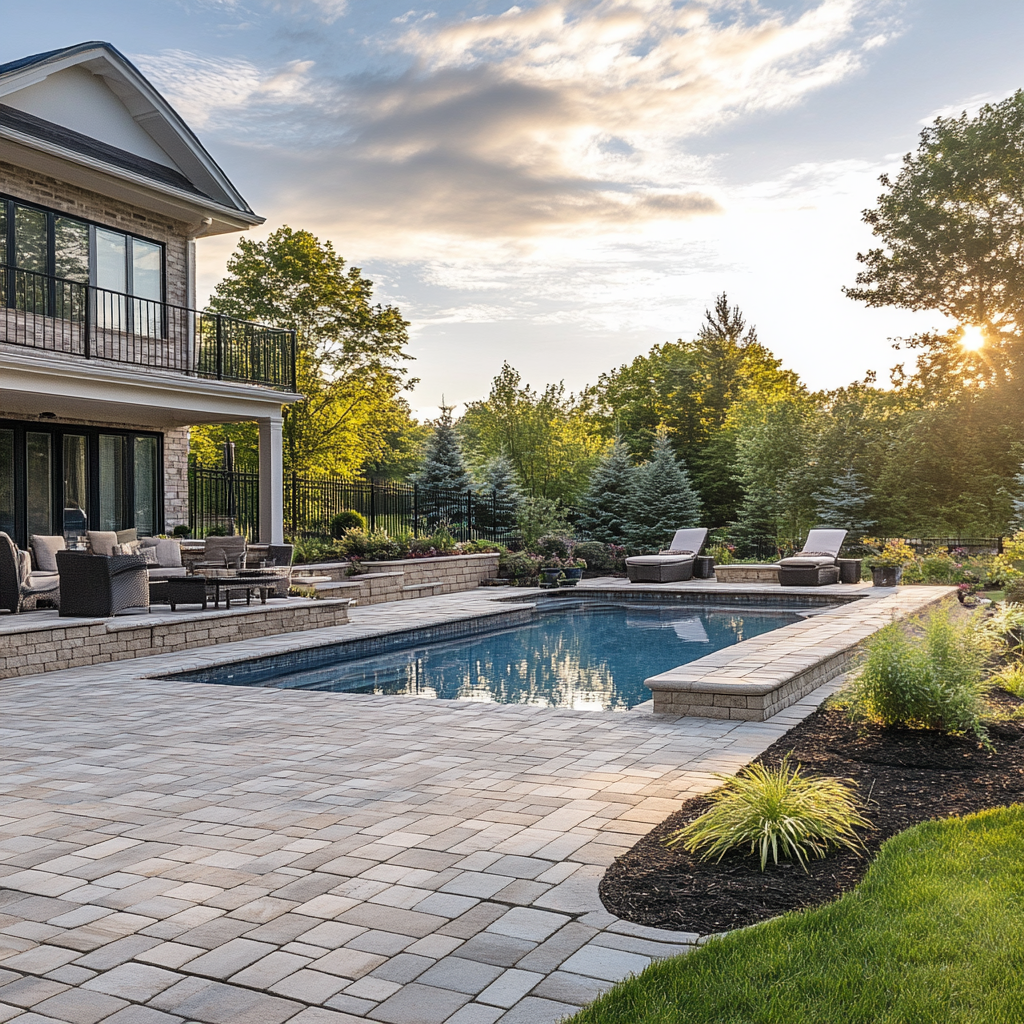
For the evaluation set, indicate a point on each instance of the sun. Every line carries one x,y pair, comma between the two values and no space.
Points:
972,339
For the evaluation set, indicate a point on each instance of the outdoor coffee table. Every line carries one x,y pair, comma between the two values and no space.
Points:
184,590
262,582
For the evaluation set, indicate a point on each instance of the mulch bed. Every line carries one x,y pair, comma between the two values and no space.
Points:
909,776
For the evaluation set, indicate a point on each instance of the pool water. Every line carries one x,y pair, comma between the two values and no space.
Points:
594,657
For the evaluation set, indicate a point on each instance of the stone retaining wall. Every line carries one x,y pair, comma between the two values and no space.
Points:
453,573
757,678
54,643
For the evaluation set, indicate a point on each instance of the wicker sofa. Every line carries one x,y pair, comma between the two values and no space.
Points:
674,565
20,587
816,565
102,585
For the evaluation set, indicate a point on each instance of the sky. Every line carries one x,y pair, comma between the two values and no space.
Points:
564,183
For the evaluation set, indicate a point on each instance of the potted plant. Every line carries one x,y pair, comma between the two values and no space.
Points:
550,575
888,562
573,572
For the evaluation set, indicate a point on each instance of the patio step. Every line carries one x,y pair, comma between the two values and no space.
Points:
422,589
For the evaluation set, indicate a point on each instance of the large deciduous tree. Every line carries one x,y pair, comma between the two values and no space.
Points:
951,223
351,353
548,435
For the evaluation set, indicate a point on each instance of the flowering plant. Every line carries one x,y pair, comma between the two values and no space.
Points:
893,554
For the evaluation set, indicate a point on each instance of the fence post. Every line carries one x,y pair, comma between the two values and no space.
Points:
294,346
373,505
494,515
415,509
87,332
469,514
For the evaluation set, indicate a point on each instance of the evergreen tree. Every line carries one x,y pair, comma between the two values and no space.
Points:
843,505
663,499
500,496
498,478
443,467
606,507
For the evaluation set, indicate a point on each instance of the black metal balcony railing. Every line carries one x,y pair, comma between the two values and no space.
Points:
59,315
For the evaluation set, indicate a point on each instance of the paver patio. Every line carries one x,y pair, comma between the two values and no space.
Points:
175,851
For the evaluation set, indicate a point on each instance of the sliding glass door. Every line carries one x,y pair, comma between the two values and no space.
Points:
66,480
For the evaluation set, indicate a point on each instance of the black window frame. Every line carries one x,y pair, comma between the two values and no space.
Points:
92,435
11,201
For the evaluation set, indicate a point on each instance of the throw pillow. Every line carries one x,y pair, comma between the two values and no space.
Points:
128,548
126,536
101,542
168,554
149,554
44,551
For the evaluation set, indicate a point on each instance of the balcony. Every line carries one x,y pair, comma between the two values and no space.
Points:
54,314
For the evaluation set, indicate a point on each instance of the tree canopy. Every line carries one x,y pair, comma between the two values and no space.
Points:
351,356
952,223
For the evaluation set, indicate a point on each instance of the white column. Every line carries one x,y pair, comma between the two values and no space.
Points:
271,482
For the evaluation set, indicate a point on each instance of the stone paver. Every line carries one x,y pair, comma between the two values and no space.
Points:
174,852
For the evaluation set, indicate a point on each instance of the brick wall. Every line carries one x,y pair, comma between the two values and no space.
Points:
113,213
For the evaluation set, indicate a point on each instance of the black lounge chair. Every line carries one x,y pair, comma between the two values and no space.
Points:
674,565
816,565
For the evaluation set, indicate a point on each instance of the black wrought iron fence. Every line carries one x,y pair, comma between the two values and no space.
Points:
73,318
219,499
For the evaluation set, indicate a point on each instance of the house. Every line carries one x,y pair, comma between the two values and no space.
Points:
105,362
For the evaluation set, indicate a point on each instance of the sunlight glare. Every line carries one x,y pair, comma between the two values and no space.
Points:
972,339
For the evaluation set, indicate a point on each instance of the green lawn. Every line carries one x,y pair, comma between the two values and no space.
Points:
933,935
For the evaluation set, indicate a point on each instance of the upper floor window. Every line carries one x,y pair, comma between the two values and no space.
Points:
52,244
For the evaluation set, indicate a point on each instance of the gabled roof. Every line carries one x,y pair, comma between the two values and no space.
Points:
159,151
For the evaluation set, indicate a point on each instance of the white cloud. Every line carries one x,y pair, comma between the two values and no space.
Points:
969,106
213,92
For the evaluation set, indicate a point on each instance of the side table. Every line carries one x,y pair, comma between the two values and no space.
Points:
703,567
185,590
849,570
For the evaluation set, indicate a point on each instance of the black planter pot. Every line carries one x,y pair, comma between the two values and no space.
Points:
572,577
886,575
549,577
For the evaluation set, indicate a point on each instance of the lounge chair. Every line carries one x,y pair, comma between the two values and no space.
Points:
815,566
20,587
673,565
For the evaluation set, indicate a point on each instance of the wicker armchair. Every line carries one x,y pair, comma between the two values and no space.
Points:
19,586
102,585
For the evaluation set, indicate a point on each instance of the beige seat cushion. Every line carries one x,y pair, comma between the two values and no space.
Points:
101,542
663,559
165,573
168,551
44,551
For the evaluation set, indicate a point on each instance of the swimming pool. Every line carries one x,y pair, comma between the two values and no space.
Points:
589,655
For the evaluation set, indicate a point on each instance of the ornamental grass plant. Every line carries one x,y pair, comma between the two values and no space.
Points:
775,810
927,676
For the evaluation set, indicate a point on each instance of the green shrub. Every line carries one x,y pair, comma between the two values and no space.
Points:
480,547
536,517
1015,592
376,545
927,681
553,546
773,810
1011,679
518,565
181,530
597,556
314,549
346,520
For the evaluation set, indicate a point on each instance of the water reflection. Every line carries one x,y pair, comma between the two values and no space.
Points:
593,658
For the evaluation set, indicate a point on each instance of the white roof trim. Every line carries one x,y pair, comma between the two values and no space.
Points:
149,109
